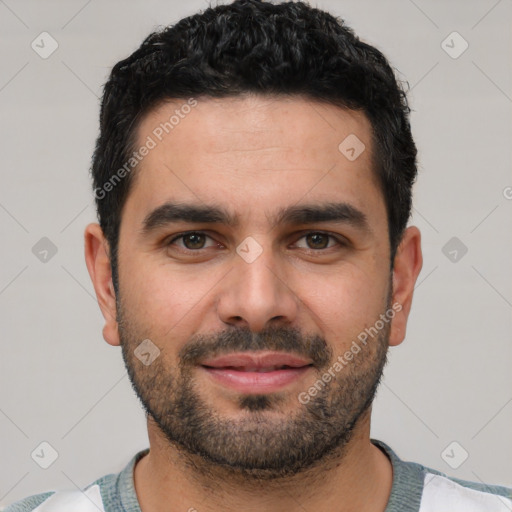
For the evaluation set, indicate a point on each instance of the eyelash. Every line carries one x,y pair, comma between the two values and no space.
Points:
339,241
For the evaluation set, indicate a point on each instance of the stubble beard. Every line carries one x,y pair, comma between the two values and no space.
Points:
261,443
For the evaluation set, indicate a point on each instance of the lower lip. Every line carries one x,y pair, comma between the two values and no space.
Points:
256,382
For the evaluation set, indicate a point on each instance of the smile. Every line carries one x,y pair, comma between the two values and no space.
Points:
256,373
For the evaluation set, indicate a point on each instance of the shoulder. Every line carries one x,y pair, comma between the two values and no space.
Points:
29,503
422,489
440,490
88,500
111,492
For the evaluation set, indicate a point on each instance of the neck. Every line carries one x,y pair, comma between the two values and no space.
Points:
359,478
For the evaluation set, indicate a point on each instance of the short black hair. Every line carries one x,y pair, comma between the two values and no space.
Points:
254,46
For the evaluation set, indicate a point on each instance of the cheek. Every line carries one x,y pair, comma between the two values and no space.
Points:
346,303
165,301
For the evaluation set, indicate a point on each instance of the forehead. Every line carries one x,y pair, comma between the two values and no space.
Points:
254,154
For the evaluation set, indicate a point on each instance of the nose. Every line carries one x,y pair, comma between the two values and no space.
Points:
257,294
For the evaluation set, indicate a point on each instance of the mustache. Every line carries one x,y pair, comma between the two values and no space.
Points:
239,339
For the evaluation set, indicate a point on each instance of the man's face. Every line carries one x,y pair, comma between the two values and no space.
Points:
248,316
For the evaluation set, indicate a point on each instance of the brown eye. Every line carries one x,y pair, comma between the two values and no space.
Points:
318,240
194,240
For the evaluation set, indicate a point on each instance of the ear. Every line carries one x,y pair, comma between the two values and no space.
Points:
406,268
97,259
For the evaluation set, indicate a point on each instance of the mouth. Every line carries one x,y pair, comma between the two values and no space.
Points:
257,372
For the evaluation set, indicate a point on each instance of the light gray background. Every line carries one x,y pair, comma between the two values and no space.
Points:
61,383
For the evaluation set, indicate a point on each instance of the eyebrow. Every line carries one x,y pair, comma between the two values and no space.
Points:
173,212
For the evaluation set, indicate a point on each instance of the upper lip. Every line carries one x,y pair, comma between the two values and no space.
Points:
257,360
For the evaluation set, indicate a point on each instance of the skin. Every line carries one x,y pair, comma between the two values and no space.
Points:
254,155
